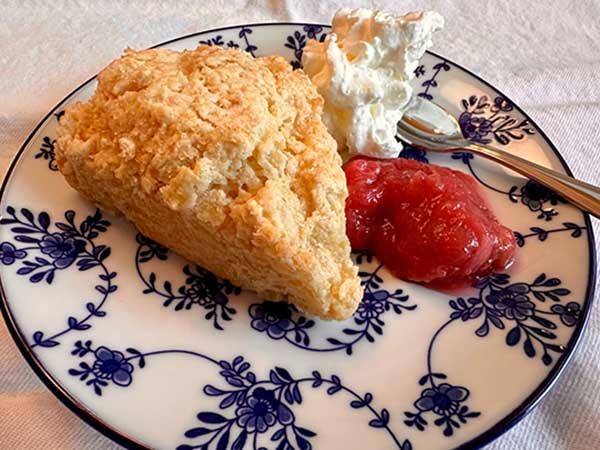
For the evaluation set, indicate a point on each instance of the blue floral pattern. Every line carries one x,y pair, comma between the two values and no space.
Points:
542,234
432,82
112,365
201,288
536,196
245,44
60,250
444,401
500,304
255,410
218,40
9,253
283,321
275,319
297,41
503,304
569,313
531,194
482,118
46,152
410,152
109,366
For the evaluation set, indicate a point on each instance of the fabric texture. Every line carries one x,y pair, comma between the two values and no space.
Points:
543,55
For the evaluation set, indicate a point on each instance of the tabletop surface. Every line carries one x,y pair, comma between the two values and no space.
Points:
543,55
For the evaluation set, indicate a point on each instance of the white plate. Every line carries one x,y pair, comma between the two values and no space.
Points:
155,352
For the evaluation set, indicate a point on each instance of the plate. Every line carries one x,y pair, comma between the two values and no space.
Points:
158,353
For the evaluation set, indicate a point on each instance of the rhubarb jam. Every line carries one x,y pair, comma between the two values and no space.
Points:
426,223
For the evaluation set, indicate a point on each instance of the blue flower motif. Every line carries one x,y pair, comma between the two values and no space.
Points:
443,400
569,314
204,294
372,304
475,128
112,365
261,411
312,31
272,317
417,154
512,304
62,249
534,195
482,117
502,104
8,253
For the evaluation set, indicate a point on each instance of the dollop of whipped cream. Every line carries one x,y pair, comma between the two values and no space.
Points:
363,70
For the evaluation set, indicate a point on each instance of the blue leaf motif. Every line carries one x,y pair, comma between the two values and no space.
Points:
44,220
483,330
514,336
305,432
195,432
278,434
284,374
240,441
37,277
38,338
528,348
376,423
212,391
303,444
228,401
58,250
223,441
25,270
210,417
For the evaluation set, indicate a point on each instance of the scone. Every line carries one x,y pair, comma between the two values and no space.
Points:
223,158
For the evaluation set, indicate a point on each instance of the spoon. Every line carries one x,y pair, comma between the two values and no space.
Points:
429,126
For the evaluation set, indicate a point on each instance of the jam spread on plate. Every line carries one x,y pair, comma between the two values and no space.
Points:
426,223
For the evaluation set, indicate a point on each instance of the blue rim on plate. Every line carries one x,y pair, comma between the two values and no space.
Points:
486,437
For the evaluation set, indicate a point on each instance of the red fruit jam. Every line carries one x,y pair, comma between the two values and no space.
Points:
426,223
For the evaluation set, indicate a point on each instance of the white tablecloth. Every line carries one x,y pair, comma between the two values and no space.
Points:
544,55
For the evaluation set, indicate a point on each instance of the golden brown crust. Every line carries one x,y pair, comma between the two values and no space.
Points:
223,158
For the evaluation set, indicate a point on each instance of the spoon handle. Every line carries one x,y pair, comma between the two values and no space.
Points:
584,195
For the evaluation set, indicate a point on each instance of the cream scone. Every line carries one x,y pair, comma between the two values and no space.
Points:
223,158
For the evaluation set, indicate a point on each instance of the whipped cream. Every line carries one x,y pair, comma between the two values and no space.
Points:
363,70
